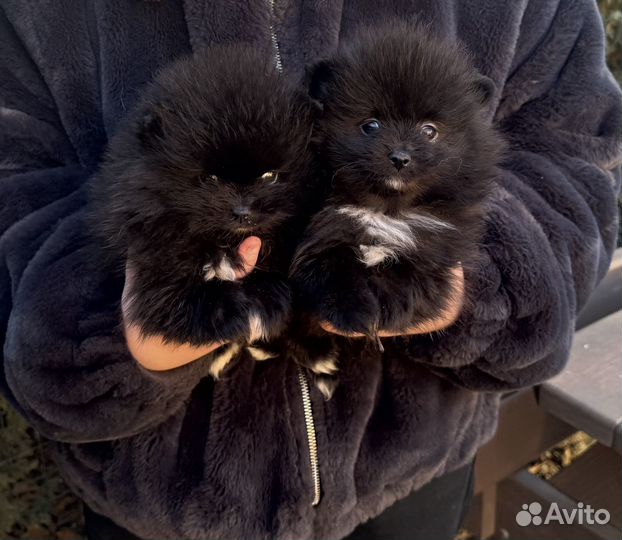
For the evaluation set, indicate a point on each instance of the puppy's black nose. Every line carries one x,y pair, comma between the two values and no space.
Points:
399,158
241,211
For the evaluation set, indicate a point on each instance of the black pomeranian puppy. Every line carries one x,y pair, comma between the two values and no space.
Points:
216,150
406,139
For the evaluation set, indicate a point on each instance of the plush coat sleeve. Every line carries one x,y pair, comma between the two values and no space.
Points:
65,365
552,220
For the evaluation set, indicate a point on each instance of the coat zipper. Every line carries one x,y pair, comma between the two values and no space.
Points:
311,438
302,378
275,42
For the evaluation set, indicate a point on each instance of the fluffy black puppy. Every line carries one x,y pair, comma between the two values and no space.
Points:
411,153
215,151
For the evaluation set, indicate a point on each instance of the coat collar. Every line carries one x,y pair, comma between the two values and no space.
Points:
306,29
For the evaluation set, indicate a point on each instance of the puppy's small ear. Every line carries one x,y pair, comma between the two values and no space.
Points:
150,128
152,125
319,78
485,88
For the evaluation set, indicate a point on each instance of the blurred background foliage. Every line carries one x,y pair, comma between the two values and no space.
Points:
612,17
611,11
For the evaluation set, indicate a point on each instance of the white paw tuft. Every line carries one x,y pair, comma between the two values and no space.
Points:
325,366
256,328
221,361
326,388
260,354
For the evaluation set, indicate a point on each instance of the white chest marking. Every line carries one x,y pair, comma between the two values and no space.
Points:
392,234
387,230
374,255
427,223
223,271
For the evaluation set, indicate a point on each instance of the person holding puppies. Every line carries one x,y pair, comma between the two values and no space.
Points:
143,432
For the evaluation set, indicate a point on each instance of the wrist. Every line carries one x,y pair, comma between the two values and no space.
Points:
153,353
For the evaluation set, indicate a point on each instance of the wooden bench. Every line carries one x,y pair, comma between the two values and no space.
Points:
587,396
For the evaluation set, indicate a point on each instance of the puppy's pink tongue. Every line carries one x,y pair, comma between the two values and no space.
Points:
249,251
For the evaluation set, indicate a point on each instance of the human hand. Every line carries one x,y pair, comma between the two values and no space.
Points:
152,352
446,318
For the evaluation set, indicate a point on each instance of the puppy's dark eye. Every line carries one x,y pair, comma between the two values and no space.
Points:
430,131
369,126
209,178
270,176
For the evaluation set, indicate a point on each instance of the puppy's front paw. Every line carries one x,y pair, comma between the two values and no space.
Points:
408,296
269,301
324,369
320,355
353,311
335,287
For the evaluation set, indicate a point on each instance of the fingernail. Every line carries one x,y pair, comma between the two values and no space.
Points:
252,243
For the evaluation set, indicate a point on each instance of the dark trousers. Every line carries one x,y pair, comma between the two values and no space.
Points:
433,512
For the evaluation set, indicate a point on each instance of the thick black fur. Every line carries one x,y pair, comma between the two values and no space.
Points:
193,150
404,78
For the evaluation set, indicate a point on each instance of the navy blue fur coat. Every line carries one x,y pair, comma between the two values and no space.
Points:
175,455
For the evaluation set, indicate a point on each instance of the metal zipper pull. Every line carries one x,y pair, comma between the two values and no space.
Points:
311,439
275,42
